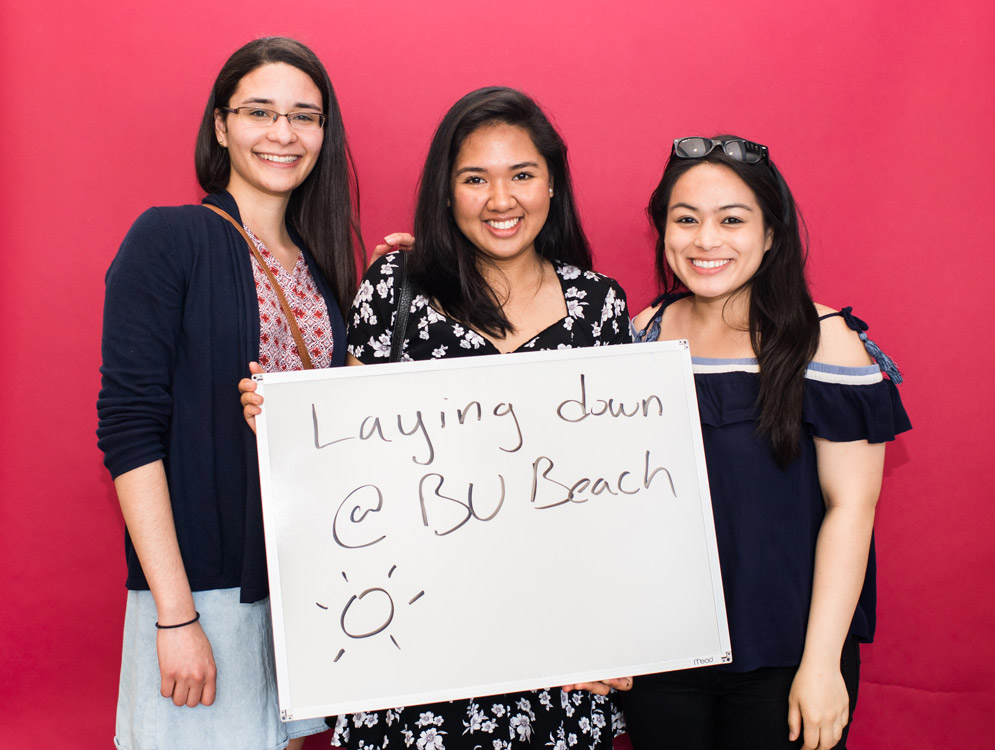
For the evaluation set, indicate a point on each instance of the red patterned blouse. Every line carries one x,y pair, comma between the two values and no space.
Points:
277,348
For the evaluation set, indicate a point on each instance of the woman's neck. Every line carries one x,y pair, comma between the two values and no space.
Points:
514,279
266,216
719,327
529,293
732,311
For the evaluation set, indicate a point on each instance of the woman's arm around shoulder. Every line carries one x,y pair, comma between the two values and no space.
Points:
402,241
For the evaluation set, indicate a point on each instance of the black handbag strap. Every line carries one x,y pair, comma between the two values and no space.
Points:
403,308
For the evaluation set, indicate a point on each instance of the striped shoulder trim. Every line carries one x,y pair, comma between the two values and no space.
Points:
867,375
816,370
706,366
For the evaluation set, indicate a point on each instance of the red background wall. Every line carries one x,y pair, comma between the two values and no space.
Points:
879,113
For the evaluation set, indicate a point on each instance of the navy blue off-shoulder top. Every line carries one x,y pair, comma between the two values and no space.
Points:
767,519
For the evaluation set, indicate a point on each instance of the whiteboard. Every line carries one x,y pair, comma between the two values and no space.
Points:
467,527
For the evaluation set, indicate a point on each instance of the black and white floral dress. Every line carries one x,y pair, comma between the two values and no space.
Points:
597,315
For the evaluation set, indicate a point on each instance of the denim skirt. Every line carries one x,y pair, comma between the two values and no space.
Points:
245,713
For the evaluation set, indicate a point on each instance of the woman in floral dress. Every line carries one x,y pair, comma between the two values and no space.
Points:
502,265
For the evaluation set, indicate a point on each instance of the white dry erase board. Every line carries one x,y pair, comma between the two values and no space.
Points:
442,530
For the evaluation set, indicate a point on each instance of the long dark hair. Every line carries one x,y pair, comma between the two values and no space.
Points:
324,209
784,325
445,266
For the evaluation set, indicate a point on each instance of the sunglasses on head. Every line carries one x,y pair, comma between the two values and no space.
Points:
735,148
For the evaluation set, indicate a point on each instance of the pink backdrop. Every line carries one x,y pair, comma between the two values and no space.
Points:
879,114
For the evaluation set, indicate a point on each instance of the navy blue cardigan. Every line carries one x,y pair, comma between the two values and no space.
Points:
181,323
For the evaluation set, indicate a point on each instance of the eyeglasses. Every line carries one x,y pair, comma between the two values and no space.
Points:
735,148
258,117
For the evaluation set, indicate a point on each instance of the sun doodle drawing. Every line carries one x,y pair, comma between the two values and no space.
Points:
369,613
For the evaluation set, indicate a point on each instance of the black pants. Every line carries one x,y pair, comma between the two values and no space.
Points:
707,709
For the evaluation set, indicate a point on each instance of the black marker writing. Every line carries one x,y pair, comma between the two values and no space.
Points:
373,427
374,615
577,410
378,629
509,409
356,517
317,441
419,425
466,508
367,428
543,467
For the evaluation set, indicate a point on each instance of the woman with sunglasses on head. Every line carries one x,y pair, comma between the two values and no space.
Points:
794,413
194,293
502,265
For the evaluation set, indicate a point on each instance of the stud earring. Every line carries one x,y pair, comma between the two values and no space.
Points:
551,192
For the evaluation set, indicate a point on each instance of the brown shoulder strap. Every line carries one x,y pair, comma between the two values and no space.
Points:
291,318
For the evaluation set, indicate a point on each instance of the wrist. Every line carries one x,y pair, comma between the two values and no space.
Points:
823,660
174,626
173,603
169,613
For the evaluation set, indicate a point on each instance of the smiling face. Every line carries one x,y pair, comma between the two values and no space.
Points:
715,237
276,159
500,188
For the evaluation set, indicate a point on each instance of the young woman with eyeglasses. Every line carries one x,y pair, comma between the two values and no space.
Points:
193,294
795,413
502,265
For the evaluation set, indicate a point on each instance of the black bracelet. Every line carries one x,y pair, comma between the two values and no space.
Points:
181,625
